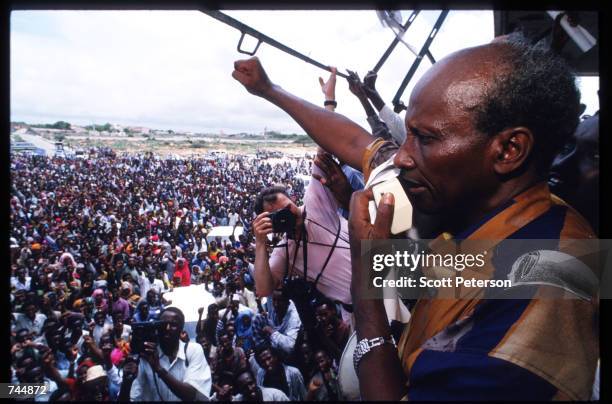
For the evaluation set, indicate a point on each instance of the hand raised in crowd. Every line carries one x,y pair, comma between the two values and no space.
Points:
369,83
315,384
334,179
268,330
329,87
201,310
355,85
88,340
252,76
16,348
48,360
262,226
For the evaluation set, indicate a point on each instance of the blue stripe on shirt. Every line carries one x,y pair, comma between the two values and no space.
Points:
460,376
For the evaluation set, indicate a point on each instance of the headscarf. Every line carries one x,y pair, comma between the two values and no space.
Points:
182,268
244,332
104,304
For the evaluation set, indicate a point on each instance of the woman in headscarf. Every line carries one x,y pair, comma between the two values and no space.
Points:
244,329
182,268
100,303
142,313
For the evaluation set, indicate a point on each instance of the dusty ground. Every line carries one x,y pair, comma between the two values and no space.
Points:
164,147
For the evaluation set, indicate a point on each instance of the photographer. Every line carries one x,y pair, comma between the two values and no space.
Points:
171,370
315,259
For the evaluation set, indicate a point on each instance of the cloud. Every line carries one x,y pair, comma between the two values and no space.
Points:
172,69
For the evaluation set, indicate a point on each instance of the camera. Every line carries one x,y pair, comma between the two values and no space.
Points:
283,221
144,332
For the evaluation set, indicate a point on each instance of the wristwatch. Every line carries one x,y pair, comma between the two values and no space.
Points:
365,345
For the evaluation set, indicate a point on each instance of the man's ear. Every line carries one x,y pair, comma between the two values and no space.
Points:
511,148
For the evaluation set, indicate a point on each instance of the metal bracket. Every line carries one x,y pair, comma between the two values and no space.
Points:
397,103
247,52
245,29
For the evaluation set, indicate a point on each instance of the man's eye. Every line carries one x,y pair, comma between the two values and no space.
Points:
425,139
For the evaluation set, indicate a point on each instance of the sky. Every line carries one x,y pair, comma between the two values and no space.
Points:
172,69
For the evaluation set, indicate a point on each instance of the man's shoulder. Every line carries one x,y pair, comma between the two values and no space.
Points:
293,371
193,348
272,394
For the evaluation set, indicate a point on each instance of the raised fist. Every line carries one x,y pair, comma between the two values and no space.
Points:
252,76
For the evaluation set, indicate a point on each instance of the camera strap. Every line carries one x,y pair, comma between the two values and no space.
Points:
331,251
185,351
304,235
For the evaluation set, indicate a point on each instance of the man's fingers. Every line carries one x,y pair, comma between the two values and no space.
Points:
325,163
331,163
384,216
358,210
321,82
320,162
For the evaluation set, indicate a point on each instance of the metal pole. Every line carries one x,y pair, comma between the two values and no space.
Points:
415,65
245,29
396,40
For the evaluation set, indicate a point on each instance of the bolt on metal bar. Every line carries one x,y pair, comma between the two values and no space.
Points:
245,29
397,103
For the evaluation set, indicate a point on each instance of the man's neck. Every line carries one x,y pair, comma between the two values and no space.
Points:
170,349
474,213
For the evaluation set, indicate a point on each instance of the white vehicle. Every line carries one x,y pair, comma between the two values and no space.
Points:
224,232
304,178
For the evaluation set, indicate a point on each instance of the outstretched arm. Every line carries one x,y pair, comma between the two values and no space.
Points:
334,132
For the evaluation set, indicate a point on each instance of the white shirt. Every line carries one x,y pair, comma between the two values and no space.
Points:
395,123
15,283
268,394
145,285
23,321
99,331
197,374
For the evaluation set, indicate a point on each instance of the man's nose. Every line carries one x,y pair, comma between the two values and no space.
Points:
403,159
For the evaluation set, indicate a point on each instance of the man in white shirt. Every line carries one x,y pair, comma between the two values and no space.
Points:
20,280
150,282
169,371
30,319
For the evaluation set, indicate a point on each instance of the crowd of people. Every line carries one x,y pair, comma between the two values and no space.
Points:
97,244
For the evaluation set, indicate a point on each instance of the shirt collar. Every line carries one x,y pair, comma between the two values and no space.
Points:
510,216
180,353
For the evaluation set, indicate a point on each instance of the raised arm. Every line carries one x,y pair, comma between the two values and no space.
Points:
334,132
369,87
356,87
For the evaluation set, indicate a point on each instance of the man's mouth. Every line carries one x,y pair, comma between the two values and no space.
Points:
411,186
